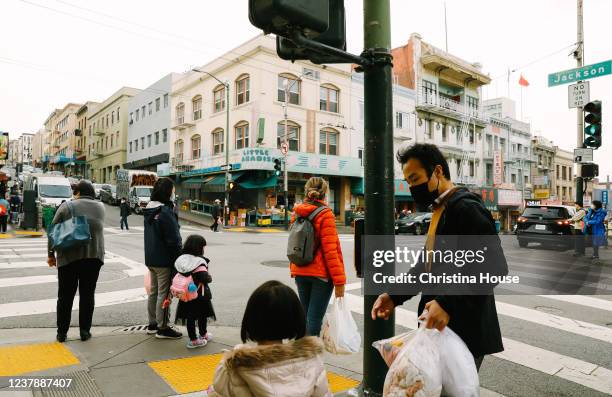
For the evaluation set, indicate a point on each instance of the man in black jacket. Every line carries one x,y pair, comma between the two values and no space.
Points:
216,213
457,214
124,212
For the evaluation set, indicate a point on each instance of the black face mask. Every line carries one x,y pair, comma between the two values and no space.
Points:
421,194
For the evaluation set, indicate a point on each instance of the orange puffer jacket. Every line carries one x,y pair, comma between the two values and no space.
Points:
328,261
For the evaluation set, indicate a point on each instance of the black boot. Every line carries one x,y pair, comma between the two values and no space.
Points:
85,335
60,337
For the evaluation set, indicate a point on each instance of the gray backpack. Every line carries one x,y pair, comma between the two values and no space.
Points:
302,244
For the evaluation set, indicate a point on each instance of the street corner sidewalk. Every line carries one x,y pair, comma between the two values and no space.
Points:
127,362
21,234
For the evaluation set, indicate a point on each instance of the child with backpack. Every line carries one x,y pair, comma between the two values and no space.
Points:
280,360
191,287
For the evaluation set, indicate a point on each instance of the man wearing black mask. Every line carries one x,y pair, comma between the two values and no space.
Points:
460,213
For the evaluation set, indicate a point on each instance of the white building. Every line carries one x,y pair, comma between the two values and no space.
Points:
24,149
320,133
149,125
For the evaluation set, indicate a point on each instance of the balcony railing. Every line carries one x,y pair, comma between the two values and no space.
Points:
99,131
181,123
443,104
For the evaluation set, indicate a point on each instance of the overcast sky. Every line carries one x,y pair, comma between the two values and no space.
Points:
58,51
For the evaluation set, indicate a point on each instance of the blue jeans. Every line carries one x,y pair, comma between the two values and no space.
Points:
314,295
124,222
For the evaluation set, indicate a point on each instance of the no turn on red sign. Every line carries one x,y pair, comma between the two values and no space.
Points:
578,94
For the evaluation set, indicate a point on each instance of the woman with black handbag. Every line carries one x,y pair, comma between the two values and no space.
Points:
80,265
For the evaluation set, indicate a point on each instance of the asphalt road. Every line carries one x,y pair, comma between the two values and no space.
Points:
555,345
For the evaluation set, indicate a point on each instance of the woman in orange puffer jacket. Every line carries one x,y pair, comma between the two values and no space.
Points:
316,280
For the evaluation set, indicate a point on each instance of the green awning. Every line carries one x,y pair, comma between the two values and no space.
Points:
195,182
216,184
259,183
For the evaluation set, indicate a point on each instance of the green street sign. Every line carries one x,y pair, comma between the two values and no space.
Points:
583,73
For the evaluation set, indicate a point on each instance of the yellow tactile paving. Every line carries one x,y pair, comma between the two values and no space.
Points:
187,375
4,235
21,359
338,383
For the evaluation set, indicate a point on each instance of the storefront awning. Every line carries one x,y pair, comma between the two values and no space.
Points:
215,184
259,183
195,182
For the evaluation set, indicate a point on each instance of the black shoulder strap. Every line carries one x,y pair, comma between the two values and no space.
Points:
316,212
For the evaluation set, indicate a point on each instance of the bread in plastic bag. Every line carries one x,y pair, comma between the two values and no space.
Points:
389,348
339,332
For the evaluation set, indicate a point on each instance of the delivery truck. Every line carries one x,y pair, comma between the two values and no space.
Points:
136,187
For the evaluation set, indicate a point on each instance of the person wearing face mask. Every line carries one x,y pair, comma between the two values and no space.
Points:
163,245
124,212
577,220
456,212
594,227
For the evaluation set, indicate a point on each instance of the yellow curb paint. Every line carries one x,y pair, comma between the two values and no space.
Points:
187,375
269,231
3,235
27,233
21,359
236,229
339,383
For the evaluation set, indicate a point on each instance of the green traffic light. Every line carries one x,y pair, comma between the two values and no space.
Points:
591,129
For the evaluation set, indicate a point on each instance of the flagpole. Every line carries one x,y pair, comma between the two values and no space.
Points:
522,103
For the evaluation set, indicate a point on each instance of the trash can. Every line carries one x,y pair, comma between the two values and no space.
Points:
48,214
497,226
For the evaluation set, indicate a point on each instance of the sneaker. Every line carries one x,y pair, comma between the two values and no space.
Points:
152,329
61,338
207,337
168,333
194,344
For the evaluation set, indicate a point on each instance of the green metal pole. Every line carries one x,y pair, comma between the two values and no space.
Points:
379,185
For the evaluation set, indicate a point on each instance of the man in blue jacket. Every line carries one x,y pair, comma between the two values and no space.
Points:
163,245
594,227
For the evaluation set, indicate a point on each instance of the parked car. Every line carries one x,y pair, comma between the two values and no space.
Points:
108,194
546,224
97,187
416,223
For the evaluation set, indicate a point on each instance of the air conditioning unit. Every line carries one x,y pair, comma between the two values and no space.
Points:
311,74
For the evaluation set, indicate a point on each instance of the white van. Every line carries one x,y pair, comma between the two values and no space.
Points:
50,190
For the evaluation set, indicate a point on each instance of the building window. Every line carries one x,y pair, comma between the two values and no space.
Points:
165,101
513,178
197,107
149,140
430,92
130,147
112,139
472,104
142,145
196,143
398,120
445,133
241,132
180,113
157,104
143,111
290,83
217,139
107,124
131,118
156,137
117,138
360,155
328,141
472,169
328,100
219,98
137,113
150,108
165,135
471,134
242,89
118,109
558,173
178,150
136,144
293,135
113,117
564,173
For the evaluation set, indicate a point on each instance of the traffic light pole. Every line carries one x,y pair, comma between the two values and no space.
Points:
579,113
378,170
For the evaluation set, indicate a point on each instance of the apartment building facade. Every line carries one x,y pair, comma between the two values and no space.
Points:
62,139
563,181
542,169
106,140
149,126
318,128
81,138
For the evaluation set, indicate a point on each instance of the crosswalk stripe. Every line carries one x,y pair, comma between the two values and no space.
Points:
29,280
43,306
20,249
551,363
25,256
24,243
112,230
34,264
583,300
553,321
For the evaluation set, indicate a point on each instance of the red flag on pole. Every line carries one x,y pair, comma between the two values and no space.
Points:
523,81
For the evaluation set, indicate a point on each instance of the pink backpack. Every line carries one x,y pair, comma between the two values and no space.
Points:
180,287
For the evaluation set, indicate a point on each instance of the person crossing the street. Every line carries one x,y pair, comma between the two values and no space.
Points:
216,213
124,212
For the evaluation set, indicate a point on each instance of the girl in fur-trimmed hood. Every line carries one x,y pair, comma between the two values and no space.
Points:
269,367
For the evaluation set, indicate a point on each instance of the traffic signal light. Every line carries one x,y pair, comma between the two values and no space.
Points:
277,167
592,124
280,17
335,36
231,185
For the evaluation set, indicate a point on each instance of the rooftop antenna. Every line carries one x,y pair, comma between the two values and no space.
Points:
445,27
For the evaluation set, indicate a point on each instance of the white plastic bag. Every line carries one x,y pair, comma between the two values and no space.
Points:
459,374
339,332
416,370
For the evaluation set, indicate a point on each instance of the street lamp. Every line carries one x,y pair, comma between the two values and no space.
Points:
288,87
227,165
